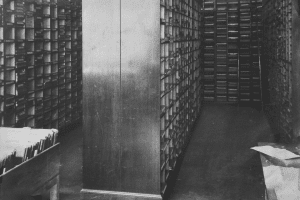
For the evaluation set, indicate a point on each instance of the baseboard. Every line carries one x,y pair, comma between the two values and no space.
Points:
87,194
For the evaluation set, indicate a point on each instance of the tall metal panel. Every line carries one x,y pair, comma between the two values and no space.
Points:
296,69
140,95
121,99
101,94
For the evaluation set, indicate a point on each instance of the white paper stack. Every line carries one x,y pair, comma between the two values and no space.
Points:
282,183
18,139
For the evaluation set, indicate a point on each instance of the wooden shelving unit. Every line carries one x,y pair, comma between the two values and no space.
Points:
221,63
180,79
278,62
41,63
244,51
233,51
231,55
209,30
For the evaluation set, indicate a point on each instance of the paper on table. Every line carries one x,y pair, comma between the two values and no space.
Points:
282,154
283,181
17,139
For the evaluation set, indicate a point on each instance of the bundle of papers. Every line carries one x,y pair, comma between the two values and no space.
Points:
20,144
282,154
282,181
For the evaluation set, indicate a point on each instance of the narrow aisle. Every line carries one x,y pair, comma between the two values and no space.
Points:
218,163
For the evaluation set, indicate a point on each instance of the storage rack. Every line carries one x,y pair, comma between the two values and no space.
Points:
250,26
231,56
41,63
76,61
256,46
30,43
62,12
221,74
244,51
209,50
180,78
277,54
8,73
233,51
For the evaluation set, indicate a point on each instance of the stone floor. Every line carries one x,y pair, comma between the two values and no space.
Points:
218,163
